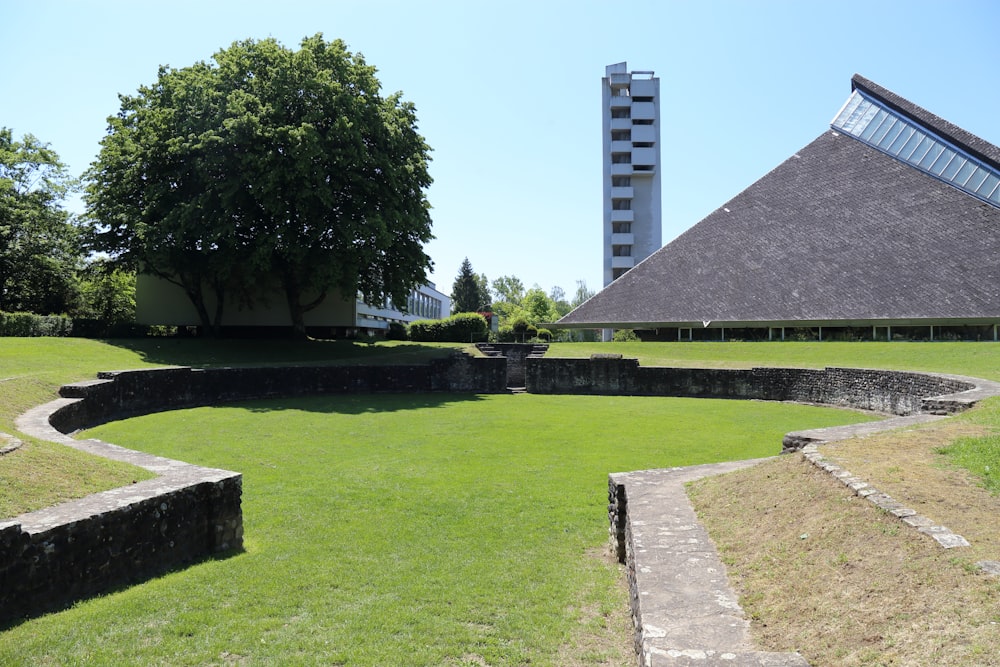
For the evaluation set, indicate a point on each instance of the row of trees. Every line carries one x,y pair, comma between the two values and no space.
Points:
507,298
44,264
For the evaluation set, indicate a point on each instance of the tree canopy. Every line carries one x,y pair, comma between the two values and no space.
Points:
39,244
582,294
267,169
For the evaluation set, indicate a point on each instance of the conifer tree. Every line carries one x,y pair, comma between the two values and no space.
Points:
465,293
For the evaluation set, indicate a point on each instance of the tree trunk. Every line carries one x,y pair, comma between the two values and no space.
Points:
298,310
294,297
220,296
199,306
193,289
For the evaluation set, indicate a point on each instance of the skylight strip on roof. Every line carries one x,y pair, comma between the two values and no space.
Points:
905,139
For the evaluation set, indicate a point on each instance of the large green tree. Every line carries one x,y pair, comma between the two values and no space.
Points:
267,169
39,243
539,306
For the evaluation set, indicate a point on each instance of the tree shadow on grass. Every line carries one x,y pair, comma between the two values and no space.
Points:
355,404
206,352
57,604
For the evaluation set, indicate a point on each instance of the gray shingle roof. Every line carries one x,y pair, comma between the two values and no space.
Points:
839,232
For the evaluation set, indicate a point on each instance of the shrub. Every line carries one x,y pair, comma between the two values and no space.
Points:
521,326
625,336
29,324
396,331
86,327
467,327
517,331
459,328
504,334
425,331
162,331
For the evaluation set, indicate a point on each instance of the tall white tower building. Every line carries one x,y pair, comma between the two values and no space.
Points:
632,215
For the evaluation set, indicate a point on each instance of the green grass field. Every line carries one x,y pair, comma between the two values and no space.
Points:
392,530
32,369
407,530
975,359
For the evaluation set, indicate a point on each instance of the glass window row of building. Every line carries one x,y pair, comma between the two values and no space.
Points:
424,305
880,127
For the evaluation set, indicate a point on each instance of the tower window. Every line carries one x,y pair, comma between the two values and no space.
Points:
621,250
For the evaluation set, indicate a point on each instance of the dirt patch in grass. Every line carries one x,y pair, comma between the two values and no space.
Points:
828,574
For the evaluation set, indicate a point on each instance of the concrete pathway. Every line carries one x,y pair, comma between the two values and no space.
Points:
684,609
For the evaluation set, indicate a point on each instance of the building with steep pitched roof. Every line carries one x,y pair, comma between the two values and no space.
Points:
887,224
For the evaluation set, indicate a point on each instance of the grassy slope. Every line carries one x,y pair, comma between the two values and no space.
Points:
827,574
40,473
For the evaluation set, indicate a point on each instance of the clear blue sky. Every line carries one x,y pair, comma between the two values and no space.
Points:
508,93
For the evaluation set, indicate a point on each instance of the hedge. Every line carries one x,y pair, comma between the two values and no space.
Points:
29,324
459,328
32,325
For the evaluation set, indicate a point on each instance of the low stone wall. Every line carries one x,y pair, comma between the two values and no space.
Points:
120,394
891,392
54,556
72,551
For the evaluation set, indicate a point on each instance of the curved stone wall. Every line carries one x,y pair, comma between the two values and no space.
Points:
54,556
57,555
890,392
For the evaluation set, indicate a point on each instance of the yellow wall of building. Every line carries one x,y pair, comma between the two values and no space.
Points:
160,302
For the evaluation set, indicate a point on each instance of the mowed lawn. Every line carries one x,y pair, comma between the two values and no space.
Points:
406,530
403,529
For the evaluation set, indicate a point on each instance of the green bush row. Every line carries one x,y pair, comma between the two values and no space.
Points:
522,331
32,325
459,328
29,324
